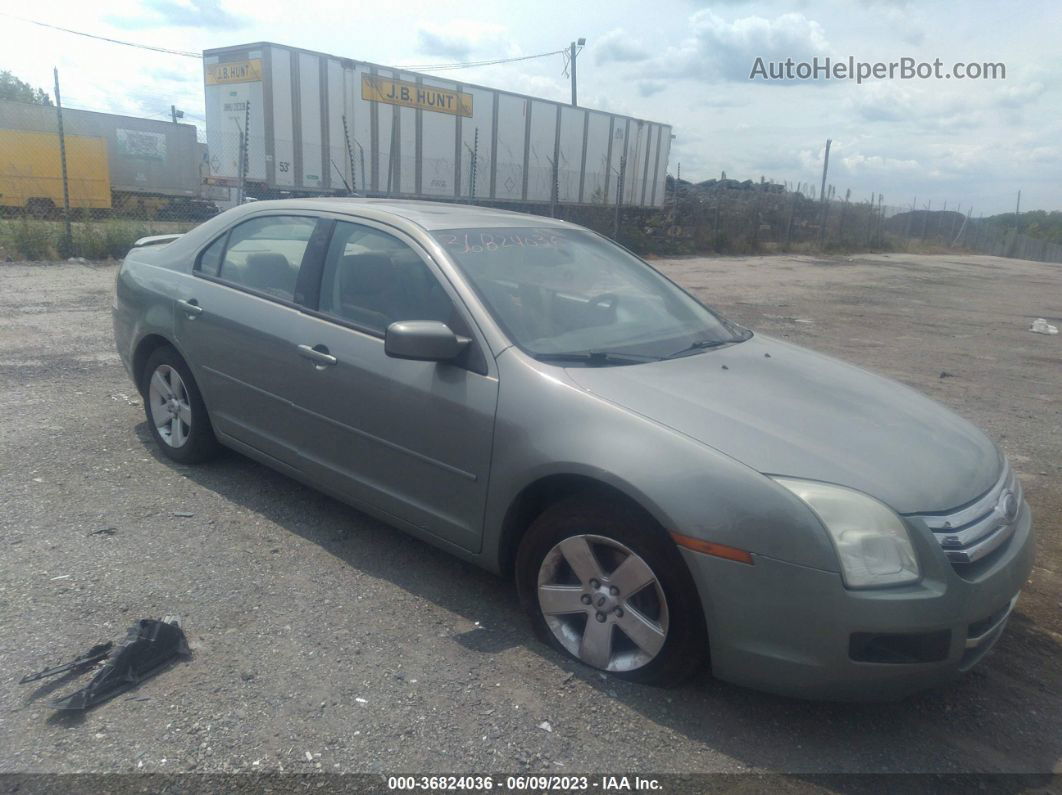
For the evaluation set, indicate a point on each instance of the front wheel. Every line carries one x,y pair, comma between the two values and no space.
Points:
607,587
175,410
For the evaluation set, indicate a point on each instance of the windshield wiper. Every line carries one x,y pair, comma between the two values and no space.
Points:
596,358
699,345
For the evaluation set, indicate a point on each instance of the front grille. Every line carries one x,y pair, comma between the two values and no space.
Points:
897,649
975,531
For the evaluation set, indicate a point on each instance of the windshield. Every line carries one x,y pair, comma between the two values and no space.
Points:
571,295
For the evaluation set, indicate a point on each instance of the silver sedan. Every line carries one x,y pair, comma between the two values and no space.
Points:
666,487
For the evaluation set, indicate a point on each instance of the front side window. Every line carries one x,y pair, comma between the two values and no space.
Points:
373,279
264,254
568,294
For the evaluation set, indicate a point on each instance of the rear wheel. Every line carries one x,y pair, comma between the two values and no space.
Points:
607,587
175,411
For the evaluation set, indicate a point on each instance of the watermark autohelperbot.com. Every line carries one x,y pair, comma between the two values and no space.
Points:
849,68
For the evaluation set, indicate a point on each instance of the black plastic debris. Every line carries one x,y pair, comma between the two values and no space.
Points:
148,646
79,663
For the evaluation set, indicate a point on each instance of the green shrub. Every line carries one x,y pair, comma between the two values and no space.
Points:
118,238
30,240
88,242
105,239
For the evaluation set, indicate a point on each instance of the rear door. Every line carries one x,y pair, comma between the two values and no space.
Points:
409,438
235,322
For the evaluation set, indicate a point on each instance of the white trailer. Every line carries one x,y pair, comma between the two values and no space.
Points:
302,122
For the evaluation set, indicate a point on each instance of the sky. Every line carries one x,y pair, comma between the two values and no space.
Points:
971,143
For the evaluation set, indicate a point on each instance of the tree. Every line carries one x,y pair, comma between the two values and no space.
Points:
13,89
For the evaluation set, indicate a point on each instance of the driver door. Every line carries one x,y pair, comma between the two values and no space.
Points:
409,438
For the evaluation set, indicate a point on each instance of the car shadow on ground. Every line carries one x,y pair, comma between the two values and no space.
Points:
1005,716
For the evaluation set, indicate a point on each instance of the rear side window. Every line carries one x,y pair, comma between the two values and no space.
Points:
264,254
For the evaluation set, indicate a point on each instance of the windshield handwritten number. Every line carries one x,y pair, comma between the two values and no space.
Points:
491,243
471,249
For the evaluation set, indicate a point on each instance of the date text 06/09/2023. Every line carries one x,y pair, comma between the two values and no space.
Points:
524,783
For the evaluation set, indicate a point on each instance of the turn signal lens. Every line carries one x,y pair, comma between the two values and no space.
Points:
716,550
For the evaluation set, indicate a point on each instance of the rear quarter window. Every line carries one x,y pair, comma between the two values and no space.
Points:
210,259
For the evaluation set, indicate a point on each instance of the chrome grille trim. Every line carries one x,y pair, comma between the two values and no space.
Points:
971,533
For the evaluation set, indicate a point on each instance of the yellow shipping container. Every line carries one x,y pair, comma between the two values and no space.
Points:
31,173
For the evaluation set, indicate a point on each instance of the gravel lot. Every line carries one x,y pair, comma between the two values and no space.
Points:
325,640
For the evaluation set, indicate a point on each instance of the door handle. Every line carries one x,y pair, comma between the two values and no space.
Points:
191,307
319,355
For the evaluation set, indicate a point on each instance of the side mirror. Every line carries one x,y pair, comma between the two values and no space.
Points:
424,341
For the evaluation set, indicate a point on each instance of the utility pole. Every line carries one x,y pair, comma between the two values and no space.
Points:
822,193
69,239
176,114
573,52
1017,209
825,168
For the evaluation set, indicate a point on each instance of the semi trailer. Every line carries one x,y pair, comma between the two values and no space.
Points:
121,164
284,121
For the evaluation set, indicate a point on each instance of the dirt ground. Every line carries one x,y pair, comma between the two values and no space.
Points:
324,640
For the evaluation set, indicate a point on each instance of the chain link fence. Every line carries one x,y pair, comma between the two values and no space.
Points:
105,180
729,217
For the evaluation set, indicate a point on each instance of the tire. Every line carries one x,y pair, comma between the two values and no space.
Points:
665,614
175,410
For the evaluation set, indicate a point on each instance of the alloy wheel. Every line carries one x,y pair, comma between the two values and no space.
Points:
171,411
603,603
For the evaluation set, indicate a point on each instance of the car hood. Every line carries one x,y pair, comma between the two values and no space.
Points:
785,410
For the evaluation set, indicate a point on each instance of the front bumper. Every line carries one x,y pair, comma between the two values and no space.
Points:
799,632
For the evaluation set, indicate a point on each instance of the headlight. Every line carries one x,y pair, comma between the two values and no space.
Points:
871,540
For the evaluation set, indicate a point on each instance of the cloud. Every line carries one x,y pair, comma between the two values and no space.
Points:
882,101
902,21
648,88
858,164
618,46
933,105
722,50
723,102
1018,96
458,38
204,14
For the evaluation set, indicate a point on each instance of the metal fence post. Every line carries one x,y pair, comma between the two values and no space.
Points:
789,218
350,157
619,197
554,187
473,165
239,190
69,238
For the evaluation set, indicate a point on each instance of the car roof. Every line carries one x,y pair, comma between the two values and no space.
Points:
427,214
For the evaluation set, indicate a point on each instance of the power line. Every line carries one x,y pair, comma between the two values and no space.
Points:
470,64
184,53
189,54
